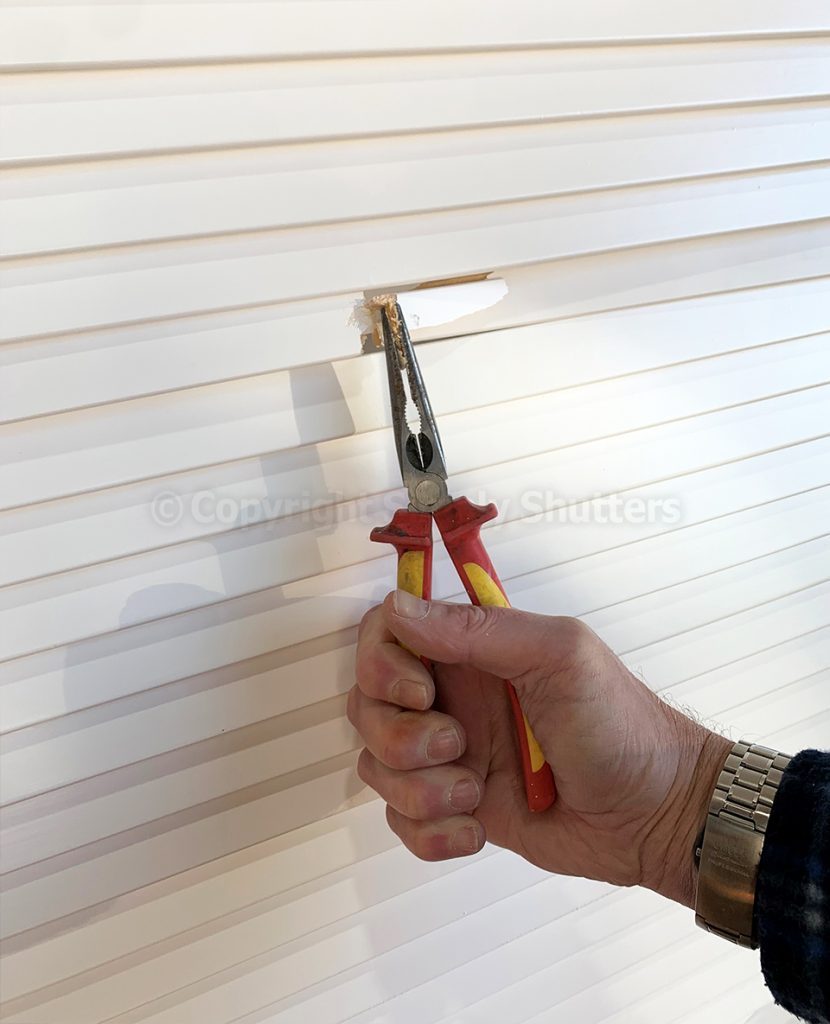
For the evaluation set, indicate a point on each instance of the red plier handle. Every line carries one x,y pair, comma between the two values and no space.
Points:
459,523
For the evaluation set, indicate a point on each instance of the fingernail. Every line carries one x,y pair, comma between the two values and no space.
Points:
466,840
408,606
411,694
444,745
464,795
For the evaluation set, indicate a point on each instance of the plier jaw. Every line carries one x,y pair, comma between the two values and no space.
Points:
417,442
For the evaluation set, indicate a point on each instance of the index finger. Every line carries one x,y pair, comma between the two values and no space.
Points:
387,672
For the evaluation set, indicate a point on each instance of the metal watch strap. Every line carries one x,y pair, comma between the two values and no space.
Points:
730,851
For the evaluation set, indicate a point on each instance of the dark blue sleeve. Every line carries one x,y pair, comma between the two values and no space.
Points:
792,898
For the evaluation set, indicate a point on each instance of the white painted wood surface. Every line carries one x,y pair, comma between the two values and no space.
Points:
192,454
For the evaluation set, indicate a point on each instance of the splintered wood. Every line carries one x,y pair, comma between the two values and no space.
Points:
389,304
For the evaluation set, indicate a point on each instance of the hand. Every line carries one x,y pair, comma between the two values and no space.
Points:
633,775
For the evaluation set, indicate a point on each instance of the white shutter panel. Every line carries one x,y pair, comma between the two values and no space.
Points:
194,197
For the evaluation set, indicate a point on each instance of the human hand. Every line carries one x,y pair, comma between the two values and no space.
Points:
633,775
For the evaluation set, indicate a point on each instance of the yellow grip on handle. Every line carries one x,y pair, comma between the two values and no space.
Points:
537,758
487,590
411,572
411,579
490,593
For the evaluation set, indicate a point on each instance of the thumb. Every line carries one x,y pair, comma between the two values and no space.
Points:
503,641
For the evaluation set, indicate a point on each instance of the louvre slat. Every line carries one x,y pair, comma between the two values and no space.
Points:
296,862
492,878
732,638
127,286
61,33
265,415
765,672
127,362
64,116
286,188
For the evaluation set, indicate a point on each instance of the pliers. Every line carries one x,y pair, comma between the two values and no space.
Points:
459,521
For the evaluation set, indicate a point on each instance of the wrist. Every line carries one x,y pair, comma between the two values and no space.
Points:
701,757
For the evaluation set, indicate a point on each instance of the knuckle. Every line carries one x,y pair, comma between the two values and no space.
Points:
396,745
396,757
576,640
366,621
351,706
421,840
393,820
364,767
573,629
476,618
566,646
419,800
475,621
410,800
427,845
565,641
424,849
363,664
374,662
372,672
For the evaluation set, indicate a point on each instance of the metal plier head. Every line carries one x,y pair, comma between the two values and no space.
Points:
417,442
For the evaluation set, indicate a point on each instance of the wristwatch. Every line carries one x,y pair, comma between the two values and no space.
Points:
729,852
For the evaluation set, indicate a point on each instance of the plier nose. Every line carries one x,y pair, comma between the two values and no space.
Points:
418,444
